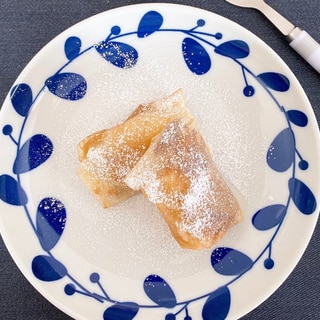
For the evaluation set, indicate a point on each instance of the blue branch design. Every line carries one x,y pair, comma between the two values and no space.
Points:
117,53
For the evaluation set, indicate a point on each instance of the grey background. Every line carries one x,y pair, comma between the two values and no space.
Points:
27,25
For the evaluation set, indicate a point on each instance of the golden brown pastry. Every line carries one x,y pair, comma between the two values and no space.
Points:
106,157
177,173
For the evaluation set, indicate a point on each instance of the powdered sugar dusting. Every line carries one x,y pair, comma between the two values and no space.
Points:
131,238
196,218
102,161
108,156
177,174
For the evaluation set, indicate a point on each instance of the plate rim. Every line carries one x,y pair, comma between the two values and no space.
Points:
29,66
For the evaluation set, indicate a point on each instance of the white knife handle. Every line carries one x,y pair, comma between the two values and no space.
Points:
306,46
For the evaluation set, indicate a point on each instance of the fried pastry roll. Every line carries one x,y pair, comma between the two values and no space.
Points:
178,175
106,157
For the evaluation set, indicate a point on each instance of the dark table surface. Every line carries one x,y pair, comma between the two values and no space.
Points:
27,25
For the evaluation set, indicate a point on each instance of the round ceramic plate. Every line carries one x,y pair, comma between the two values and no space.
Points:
122,263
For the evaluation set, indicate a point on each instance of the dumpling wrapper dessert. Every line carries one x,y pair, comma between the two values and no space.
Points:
106,157
178,175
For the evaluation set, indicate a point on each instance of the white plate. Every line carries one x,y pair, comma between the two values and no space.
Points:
103,264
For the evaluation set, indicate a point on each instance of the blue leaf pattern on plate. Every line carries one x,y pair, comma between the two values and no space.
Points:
275,81
217,305
50,222
302,196
72,47
235,49
47,268
195,56
269,217
33,153
21,98
11,191
121,311
281,153
120,54
159,291
68,85
150,23
298,117
230,262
